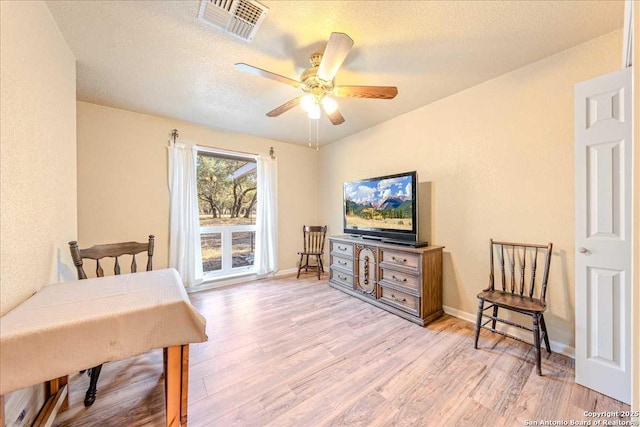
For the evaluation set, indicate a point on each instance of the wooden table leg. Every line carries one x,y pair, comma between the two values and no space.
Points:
52,387
184,389
164,370
177,385
54,402
2,423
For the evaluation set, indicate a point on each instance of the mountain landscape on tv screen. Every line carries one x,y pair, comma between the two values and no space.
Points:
385,204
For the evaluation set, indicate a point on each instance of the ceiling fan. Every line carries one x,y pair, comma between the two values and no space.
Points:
317,82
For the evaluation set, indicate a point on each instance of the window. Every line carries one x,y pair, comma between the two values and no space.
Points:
227,198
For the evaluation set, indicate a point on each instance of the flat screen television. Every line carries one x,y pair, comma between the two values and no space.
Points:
383,208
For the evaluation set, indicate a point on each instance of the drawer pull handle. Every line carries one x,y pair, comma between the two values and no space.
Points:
398,259
398,280
342,262
341,277
396,299
342,248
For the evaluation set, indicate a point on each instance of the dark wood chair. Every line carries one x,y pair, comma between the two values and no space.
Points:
519,291
98,252
314,236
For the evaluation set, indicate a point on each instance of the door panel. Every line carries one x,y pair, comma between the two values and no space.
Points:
605,203
605,298
603,168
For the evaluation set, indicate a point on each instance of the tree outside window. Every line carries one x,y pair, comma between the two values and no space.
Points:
227,198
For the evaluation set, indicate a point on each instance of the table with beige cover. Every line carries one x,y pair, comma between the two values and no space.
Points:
69,326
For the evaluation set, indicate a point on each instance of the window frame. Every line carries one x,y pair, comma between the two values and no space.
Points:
226,231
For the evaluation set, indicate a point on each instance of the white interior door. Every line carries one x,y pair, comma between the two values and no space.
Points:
603,167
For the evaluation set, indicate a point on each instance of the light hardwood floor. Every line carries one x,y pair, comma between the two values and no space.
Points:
287,352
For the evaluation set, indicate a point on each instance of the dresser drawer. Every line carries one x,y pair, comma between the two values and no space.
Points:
341,278
401,300
344,263
397,278
408,261
341,248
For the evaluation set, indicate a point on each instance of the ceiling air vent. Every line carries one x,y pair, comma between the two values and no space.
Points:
241,18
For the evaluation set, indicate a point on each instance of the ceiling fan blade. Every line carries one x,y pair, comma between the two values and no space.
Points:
337,49
284,107
336,117
268,74
379,92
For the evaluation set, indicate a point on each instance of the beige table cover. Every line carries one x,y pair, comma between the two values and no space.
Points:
70,326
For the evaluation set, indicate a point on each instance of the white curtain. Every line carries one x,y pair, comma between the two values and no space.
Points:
185,254
267,218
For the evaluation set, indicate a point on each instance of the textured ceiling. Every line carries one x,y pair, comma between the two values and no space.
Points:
156,57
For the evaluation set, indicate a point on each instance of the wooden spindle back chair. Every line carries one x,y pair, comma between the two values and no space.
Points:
97,253
313,241
516,284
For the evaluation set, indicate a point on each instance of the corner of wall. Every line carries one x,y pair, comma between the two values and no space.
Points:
635,359
38,172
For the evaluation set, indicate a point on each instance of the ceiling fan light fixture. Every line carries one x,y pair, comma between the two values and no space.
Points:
314,112
329,104
317,82
307,102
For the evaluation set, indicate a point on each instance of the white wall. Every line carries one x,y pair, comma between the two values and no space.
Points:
37,162
38,156
499,157
122,178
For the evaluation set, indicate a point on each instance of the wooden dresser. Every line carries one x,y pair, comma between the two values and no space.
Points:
402,280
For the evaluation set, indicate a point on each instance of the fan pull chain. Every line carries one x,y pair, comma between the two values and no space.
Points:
317,133
309,133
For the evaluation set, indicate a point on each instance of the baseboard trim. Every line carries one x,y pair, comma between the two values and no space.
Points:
286,272
556,347
221,283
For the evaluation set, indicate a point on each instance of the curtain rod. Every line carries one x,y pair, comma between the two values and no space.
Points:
272,153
